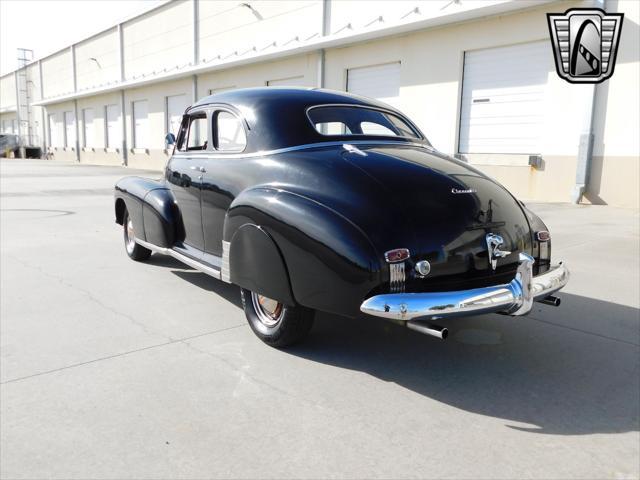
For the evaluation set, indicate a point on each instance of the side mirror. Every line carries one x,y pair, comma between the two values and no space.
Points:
169,140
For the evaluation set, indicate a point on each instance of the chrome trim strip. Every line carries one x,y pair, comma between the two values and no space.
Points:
263,153
514,298
225,273
182,258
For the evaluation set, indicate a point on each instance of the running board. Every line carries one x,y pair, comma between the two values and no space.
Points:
209,270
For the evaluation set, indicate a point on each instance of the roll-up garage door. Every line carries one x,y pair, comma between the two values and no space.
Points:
176,105
381,82
503,97
140,124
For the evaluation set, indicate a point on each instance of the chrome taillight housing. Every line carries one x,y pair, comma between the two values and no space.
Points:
543,236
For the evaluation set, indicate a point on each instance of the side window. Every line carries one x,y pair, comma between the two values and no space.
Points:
194,133
229,134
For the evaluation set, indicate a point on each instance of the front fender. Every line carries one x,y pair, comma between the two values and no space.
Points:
152,208
331,263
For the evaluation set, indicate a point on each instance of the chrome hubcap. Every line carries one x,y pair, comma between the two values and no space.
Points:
130,241
269,311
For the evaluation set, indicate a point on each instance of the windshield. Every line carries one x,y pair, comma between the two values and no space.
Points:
352,121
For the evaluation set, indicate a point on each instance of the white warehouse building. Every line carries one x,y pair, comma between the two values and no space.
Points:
478,78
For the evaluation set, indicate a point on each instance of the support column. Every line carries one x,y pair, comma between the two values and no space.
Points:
121,52
123,116
196,31
73,68
326,25
75,112
45,140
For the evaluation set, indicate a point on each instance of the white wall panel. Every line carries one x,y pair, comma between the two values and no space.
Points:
351,12
58,74
105,68
8,92
162,39
227,27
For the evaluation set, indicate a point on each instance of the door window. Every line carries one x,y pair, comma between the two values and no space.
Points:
194,133
229,134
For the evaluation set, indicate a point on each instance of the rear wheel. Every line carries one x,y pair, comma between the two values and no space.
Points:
135,251
275,324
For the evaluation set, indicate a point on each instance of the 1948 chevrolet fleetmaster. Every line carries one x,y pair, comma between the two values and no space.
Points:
312,199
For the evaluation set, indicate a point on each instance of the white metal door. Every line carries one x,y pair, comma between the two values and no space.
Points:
503,96
69,129
140,124
381,82
113,127
88,128
54,131
287,82
176,105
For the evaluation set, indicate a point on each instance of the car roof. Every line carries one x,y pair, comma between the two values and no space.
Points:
277,116
302,96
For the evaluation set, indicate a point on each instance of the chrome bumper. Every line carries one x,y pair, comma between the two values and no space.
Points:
513,298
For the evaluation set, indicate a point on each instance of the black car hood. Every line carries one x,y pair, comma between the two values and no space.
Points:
442,210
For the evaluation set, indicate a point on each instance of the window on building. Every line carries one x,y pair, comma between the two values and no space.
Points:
140,110
176,105
5,128
88,137
14,126
69,129
229,133
113,129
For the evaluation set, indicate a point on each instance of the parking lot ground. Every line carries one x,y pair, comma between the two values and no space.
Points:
117,369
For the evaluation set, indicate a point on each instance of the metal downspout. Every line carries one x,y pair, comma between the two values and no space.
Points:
585,147
326,24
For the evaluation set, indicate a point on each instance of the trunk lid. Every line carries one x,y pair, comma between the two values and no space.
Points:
443,210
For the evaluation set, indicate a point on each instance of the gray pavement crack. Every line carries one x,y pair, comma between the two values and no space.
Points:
90,296
122,354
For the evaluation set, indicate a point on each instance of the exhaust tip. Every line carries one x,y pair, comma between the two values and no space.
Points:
428,329
551,300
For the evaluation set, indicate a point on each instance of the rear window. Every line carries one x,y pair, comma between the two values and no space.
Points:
358,121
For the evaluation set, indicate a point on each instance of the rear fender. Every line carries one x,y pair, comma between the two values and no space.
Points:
256,264
331,264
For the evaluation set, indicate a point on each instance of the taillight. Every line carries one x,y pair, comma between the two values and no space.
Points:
397,255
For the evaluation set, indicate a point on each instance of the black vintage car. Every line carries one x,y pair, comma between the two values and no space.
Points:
312,199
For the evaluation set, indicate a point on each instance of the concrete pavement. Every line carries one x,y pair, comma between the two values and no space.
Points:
116,369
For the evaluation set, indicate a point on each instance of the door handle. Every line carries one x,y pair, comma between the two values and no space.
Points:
199,169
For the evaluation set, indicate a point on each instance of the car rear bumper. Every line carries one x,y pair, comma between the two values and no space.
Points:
513,298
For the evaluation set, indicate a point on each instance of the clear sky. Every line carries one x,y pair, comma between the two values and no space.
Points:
46,26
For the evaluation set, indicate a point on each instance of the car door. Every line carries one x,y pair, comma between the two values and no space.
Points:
184,174
223,175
